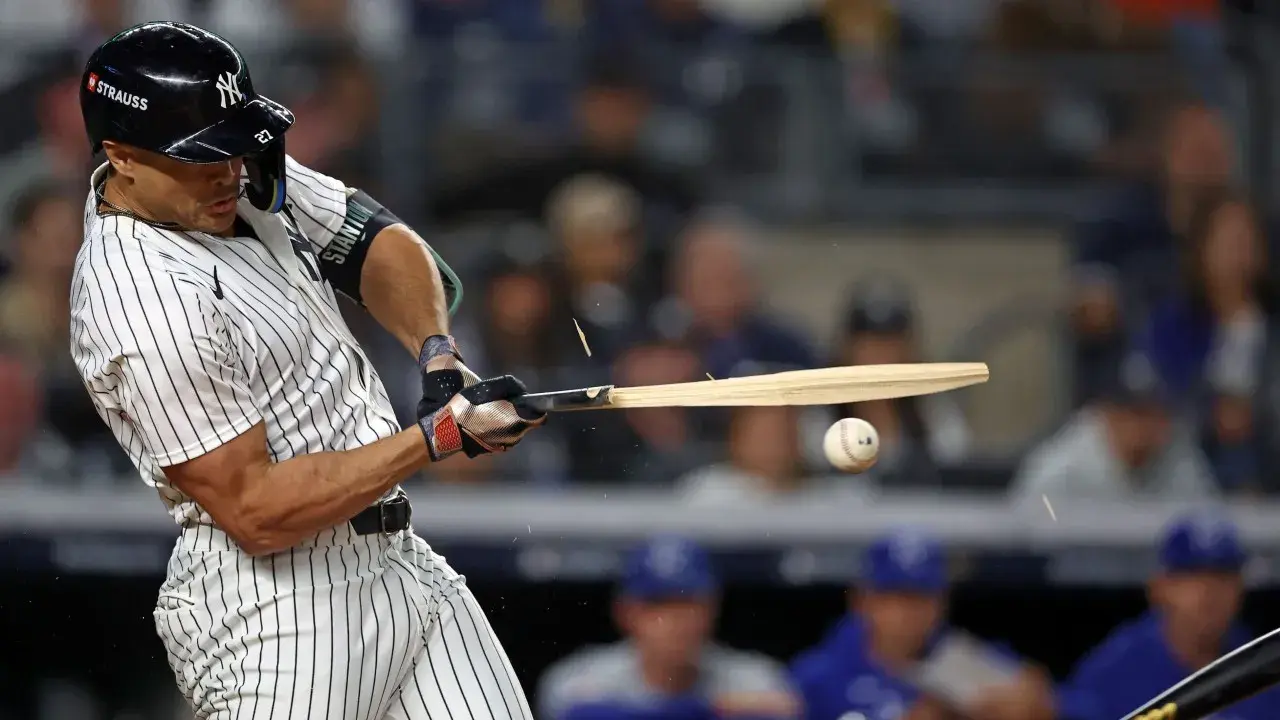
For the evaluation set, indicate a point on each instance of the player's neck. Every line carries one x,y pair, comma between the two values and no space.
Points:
117,197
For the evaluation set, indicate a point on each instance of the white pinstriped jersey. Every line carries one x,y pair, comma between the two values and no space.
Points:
185,340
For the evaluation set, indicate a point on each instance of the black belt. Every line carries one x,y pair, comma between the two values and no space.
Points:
389,516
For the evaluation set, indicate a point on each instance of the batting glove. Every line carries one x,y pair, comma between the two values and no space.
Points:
440,353
478,419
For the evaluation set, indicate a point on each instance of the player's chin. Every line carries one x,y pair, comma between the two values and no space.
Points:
215,220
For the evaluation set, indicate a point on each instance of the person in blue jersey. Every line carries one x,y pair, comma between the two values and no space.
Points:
897,613
1194,597
667,667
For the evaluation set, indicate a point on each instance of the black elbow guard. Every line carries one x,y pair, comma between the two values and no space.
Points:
342,261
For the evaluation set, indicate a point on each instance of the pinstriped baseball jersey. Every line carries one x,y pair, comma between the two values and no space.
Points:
185,340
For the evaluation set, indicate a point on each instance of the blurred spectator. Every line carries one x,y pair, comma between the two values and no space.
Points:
46,225
765,463
517,333
897,614
610,110
597,223
668,666
1208,341
916,434
651,447
1127,256
518,329
337,114
1124,444
60,152
717,304
1194,599
46,230
764,460
1217,319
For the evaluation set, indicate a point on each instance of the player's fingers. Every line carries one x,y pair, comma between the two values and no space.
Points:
522,418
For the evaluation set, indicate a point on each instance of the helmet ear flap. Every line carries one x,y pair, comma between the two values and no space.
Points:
266,171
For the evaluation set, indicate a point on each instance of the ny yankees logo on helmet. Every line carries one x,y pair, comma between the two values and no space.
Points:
229,89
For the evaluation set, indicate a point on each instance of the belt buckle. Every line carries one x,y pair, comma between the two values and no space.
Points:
386,517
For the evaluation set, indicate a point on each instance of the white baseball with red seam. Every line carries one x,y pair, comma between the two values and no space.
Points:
851,445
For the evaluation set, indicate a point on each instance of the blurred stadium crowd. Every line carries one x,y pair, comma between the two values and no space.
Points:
604,184
681,179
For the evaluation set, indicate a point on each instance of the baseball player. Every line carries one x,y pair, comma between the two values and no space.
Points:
861,669
205,327
1195,597
667,668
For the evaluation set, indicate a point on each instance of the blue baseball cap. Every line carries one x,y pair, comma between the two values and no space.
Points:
1201,541
668,567
905,560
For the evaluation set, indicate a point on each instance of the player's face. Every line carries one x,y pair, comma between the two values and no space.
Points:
901,622
670,632
197,197
1199,604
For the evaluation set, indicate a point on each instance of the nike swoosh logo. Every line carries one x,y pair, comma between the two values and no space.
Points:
217,286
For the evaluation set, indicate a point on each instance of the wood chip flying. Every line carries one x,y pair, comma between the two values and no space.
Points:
582,336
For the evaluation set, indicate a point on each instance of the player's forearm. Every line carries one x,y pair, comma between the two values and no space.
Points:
401,287
295,499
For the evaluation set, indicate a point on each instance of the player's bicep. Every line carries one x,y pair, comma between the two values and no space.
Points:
220,479
186,392
317,202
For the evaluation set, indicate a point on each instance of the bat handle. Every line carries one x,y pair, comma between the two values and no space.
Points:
534,404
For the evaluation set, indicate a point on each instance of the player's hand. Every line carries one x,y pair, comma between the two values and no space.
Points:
439,361
478,419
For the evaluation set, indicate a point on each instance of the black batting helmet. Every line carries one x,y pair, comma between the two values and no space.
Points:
185,93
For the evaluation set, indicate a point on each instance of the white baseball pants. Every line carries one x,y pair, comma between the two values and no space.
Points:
342,627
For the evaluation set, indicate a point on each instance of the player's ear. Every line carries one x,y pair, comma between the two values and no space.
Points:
120,157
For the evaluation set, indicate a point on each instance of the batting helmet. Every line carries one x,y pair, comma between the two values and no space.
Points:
185,93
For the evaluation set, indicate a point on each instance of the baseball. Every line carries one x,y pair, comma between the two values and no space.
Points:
851,445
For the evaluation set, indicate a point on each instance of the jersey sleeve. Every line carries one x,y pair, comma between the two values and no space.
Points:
317,202
153,342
